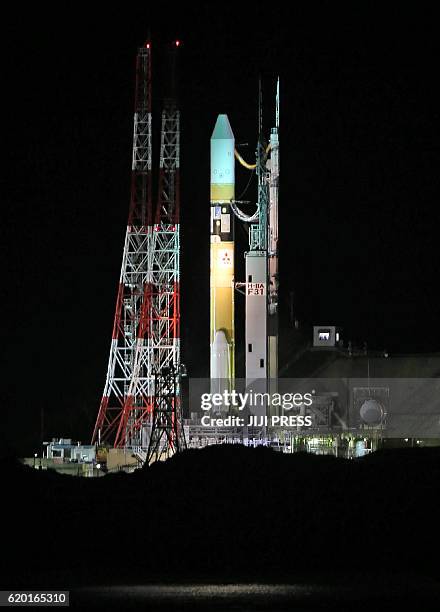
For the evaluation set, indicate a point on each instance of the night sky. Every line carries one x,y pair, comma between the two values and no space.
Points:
359,147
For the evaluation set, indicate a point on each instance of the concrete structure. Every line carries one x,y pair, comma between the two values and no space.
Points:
65,449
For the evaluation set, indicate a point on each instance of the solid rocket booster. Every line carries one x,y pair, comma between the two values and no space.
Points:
222,250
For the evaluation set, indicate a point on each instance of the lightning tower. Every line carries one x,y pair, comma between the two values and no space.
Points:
164,432
146,328
130,314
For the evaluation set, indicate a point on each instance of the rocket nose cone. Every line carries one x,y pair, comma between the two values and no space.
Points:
222,129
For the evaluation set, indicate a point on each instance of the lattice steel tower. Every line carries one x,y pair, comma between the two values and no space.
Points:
159,343
165,278
145,335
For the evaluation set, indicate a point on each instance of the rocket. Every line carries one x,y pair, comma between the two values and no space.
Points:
222,253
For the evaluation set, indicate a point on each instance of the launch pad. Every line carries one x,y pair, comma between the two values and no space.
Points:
140,409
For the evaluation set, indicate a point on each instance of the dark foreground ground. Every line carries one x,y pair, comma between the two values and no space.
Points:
357,531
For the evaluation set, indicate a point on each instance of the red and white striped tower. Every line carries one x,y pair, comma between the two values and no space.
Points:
164,321
165,272
158,338
132,302
146,332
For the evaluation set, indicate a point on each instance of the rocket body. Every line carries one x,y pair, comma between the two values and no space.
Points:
222,339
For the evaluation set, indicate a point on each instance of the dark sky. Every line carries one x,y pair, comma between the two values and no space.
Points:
359,193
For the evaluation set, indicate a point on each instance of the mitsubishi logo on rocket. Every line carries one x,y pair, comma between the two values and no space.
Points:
225,258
